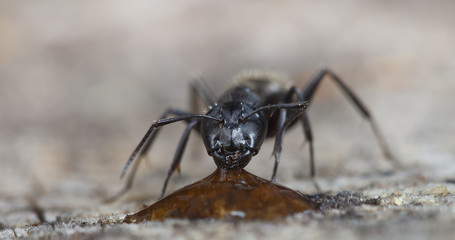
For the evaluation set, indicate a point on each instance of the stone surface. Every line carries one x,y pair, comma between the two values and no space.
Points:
80,82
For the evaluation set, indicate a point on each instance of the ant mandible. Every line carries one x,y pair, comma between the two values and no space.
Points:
258,106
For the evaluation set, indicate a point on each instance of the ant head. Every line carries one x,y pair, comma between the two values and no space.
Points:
236,137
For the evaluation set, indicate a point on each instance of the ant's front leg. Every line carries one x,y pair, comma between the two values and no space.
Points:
198,88
289,97
143,147
295,91
284,120
179,153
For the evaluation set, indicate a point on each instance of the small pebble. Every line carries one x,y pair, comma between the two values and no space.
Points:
397,200
440,190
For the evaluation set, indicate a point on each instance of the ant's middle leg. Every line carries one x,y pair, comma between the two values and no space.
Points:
197,89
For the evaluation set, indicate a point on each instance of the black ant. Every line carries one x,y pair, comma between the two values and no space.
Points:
258,106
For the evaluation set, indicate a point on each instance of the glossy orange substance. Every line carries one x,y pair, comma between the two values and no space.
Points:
227,194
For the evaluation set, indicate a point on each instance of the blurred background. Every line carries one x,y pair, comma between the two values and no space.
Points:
80,83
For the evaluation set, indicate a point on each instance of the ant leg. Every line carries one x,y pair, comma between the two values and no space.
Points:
283,122
278,142
279,137
144,147
198,88
309,138
179,153
149,141
310,89
306,125
295,91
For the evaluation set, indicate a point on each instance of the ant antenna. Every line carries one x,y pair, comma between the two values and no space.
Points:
300,105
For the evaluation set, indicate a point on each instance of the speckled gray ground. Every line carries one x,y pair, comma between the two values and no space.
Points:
80,83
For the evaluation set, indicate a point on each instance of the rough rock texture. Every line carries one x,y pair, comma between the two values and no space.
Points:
80,83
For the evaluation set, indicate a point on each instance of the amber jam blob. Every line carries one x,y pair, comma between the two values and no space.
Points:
227,194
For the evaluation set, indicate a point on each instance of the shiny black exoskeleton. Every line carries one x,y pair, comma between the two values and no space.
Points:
242,126
258,106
